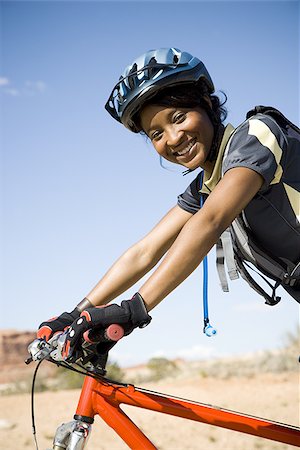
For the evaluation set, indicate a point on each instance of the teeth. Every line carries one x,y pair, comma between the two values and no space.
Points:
187,149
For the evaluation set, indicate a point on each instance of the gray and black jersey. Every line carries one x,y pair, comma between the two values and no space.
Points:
273,215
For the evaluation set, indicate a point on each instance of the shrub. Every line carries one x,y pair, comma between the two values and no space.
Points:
114,371
161,368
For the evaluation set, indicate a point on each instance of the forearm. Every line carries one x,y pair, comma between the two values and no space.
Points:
126,271
201,232
182,259
140,258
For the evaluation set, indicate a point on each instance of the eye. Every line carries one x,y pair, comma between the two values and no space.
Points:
156,135
179,117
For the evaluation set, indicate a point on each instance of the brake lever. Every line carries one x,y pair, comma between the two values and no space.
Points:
40,349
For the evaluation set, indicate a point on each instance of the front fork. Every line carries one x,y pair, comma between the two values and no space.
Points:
72,435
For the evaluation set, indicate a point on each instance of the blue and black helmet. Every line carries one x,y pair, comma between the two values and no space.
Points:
147,75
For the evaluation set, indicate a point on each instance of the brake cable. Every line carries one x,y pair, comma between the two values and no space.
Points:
64,365
32,404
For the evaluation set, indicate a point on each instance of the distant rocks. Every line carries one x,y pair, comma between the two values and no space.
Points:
13,352
13,346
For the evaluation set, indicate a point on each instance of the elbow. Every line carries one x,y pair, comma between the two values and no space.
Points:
218,225
211,225
140,256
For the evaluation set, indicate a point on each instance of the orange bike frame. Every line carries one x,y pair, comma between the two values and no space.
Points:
104,398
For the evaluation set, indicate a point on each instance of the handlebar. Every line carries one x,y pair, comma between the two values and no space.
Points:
91,355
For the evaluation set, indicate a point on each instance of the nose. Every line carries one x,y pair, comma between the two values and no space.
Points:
174,136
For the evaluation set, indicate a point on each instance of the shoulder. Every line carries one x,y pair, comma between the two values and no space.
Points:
262,129
258,144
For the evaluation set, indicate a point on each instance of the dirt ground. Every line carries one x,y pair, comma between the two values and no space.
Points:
272,396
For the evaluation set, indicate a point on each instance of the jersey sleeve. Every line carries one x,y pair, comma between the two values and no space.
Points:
257,144
189,200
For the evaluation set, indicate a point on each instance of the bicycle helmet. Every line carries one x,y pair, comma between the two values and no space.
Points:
147,75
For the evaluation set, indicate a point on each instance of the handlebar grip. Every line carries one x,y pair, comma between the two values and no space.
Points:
113,332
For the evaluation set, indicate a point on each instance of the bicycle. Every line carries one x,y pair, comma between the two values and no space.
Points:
102,396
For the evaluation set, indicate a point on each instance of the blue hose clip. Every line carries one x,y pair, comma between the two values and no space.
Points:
208,330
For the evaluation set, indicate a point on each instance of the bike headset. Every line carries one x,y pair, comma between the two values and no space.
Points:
142,80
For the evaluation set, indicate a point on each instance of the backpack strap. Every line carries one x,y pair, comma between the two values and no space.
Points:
224,250
220,264
293,278
270,300
236,265
245,245
238,249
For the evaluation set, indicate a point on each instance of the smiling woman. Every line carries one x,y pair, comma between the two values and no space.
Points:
250,183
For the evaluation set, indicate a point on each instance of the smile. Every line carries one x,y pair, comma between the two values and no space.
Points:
186,149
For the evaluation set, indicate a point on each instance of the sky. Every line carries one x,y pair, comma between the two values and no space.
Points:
77,188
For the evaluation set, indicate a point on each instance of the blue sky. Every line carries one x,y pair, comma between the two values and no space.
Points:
78,188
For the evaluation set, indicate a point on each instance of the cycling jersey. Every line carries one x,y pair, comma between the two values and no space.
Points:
273,214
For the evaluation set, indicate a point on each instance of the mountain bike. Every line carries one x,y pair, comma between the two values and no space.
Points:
102,396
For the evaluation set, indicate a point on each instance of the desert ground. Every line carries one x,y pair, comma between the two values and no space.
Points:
273,396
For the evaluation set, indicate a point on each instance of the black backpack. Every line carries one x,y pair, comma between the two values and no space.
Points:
238,247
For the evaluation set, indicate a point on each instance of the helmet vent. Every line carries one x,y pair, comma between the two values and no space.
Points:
175,59
152,61
132,76
151,68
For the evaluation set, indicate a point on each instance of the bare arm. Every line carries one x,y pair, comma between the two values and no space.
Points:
201,232
140,258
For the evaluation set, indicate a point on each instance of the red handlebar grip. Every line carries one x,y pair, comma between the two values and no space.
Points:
114,332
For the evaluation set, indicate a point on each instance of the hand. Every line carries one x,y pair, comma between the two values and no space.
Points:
57,324
131,314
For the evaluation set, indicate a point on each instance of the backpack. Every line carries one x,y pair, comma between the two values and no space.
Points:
237,245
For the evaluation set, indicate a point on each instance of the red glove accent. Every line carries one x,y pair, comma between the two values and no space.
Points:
56,324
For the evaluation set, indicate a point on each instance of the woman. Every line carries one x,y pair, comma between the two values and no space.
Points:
169,96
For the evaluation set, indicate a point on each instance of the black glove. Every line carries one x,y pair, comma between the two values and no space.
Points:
57,324
131,314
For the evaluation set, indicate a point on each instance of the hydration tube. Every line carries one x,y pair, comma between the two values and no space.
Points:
208,330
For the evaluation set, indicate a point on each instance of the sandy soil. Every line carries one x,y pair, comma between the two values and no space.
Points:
272,396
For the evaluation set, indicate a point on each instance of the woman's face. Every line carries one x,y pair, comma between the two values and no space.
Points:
180,135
